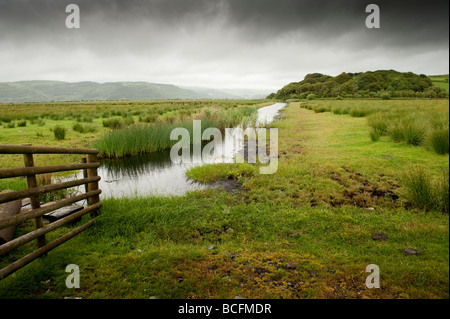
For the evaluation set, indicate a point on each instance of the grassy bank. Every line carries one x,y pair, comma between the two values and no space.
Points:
305,232
414,122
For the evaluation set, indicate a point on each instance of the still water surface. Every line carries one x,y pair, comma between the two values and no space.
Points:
156,174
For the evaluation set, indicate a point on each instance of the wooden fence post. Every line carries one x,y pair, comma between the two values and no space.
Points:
93,172
35,202
85,174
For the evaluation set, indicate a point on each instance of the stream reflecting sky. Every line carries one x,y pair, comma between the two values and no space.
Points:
156,174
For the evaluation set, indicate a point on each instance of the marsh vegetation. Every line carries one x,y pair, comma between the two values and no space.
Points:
305,232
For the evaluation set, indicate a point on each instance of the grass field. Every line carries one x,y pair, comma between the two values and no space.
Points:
305,232
440,81
414,122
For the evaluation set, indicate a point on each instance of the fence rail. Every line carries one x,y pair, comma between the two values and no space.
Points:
89,165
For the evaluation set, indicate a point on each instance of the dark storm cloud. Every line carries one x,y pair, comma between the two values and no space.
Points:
218,42
403,22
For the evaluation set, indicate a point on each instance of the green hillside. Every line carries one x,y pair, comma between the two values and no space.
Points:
440,81
378,84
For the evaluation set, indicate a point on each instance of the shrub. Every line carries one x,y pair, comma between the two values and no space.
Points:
385,96
60,133
311,97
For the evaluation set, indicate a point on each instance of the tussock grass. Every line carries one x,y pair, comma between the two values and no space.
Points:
415,122
22,123
424,192
59,132
84,128
114,123
438,140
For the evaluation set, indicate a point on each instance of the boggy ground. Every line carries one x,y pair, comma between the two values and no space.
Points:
305,232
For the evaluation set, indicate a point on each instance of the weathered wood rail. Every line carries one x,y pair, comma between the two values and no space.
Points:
89,165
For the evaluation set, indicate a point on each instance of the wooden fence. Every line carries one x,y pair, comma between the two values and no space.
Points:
89,165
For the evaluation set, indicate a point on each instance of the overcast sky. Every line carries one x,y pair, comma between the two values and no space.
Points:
218,43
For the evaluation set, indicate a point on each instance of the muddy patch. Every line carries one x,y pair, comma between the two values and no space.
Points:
228,185
361,192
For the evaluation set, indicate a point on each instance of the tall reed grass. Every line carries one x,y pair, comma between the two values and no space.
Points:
142,139
153,138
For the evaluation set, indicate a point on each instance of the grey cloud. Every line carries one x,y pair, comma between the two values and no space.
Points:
221,42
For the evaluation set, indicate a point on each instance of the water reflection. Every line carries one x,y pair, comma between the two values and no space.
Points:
156,174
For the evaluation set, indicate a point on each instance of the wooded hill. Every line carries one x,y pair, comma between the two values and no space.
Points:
378,84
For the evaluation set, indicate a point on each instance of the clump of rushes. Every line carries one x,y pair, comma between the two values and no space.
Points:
84,128
114,123
59,132
374,135
22,123
149,118
142,139
443,191
147,139
409,130
38,121
438,141
11,124
425,193
378,124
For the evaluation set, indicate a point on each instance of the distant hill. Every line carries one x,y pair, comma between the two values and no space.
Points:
45,91
230,93
385,83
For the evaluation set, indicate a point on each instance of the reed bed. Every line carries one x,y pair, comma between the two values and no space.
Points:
138,140
142,139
